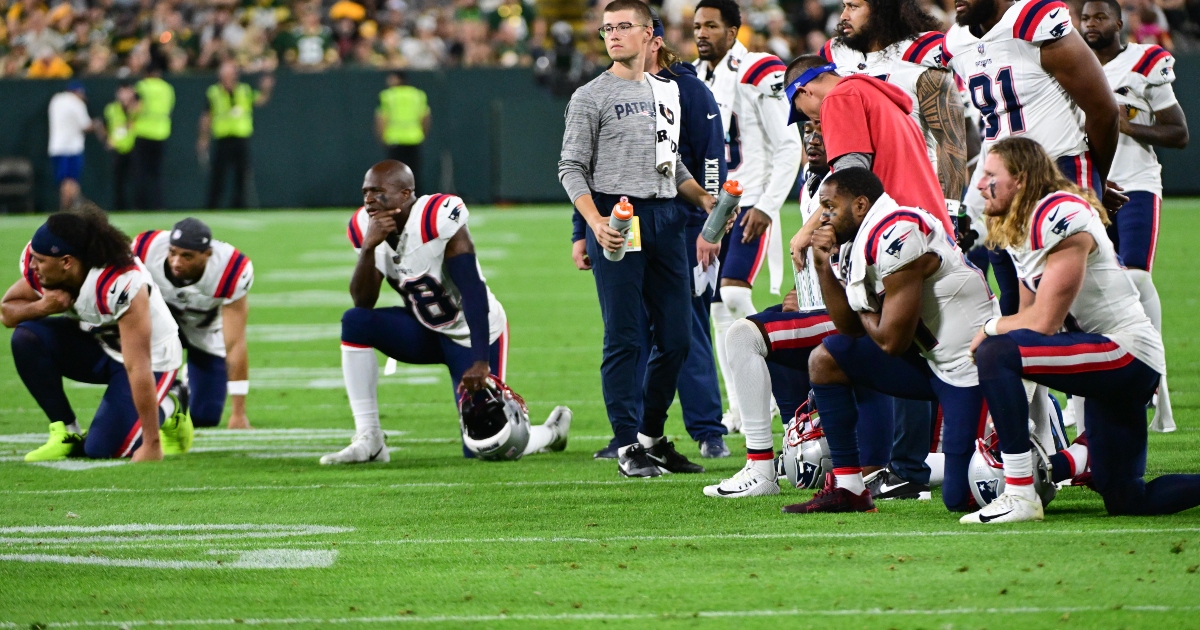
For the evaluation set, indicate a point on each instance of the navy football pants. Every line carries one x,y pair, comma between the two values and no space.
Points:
207,386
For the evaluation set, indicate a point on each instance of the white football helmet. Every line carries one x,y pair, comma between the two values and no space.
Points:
985,473
494,422
805,457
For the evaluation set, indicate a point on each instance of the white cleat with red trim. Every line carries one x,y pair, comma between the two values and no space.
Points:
1007,508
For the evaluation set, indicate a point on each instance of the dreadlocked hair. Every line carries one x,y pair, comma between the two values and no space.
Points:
1030,165
99,243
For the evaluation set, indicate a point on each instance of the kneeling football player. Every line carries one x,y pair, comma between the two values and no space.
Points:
422,247
913,345
204,283
87,310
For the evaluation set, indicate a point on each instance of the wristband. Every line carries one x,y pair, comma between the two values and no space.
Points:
989,327
238,388
954,207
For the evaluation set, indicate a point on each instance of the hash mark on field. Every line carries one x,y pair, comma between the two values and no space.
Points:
569,617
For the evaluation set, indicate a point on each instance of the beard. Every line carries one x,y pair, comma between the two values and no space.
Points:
1102,41
977,13
859,41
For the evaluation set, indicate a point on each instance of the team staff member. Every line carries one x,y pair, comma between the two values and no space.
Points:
69,125
402,120
1140,75
229,116
621,140
702,149
151,128
120,139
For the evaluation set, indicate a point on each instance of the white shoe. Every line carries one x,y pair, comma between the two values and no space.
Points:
366,447
732,420
1007,508
560,423
748,482
1071,411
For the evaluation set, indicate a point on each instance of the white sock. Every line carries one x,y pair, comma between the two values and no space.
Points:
360,370
167,406
746,352
937,468
1164,419
1079,457
739,301
722,320
1077,404
1018,474
649,442
852,482
765,467
540,436
74,427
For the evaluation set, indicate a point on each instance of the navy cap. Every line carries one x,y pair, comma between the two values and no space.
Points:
75,85
192,234
804,79
656,22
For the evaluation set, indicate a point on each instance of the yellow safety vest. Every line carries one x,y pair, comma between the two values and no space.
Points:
120,138
232,114
153,119
403,108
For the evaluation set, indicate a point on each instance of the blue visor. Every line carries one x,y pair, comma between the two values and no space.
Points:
805,77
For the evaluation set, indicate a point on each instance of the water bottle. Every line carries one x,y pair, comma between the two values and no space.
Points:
621,220
727,202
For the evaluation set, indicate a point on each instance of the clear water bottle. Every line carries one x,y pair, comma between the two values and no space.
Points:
727,203
621,220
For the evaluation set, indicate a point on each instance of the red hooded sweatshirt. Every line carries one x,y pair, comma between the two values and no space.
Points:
865,115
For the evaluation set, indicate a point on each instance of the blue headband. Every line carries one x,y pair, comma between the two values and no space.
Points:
47,243
804,79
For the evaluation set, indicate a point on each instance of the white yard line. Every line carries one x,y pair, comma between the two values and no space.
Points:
355,486
256,559
601,616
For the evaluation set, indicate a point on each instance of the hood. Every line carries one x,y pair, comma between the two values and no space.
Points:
679,68
895,94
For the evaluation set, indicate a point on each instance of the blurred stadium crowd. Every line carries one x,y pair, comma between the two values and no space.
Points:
64,38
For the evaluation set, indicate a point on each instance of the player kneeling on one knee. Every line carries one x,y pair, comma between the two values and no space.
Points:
115,330
422,247
1114,357
914,345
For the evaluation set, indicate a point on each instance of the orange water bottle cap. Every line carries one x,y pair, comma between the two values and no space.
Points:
623,210
733,187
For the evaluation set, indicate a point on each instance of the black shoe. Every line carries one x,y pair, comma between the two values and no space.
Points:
636,463
885,484
608,452
669,459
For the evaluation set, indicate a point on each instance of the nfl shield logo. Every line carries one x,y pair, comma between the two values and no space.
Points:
862,66
980,48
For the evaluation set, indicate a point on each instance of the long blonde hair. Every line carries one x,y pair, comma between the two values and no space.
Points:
1029,164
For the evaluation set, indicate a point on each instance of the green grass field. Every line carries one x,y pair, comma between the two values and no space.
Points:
249,529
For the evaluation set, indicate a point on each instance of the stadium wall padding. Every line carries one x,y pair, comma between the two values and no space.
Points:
496,137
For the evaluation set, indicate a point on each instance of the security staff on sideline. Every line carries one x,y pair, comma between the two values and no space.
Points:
117,123
151,128
229,118
402,121
621,139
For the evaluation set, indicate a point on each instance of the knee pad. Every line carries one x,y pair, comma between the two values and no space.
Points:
357,326
739,301
744,335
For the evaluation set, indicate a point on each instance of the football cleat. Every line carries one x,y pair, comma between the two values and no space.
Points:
886,485
608,452
833,499
370,446
732,420
748,482
559,422
176,432
1007,508
60,445
636,462
713,447
669,459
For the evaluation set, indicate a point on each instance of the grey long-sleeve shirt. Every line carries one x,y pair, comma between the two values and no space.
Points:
608,145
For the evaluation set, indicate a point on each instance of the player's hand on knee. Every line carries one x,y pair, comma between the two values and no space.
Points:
579,255
706,253
754,223
1113,199
382,225
475,377
607,237
148,452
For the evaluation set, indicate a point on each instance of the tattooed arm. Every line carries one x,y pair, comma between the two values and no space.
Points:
942,111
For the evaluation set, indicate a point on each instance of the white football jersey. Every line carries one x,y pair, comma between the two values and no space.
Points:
1140,78
197,306
104,299
762,150
412,265
955,300
1108,303
1004,75
900,64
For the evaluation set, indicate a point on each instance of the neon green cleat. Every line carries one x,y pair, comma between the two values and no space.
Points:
177,432
61,445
